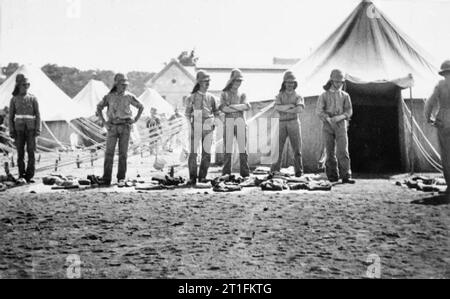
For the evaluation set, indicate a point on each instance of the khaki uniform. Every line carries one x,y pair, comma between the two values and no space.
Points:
119,117
203,107
333,103
441,99
290,127
238,131
25,126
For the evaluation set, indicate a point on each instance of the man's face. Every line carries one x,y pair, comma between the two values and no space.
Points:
122,87
204,85
338,84
23,87
237,84
290,85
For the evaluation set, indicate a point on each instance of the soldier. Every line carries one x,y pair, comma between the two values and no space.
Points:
289,105
24,126
441,99
119,124
234,104
201,109
154,127
334,108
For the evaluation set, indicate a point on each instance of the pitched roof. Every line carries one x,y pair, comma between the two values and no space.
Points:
368,47
90,96
54,104
172,63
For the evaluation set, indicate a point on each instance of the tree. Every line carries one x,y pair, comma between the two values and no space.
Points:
8,70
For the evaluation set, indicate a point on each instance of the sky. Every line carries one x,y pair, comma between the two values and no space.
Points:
126,35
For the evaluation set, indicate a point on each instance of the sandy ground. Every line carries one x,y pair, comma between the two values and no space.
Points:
188,233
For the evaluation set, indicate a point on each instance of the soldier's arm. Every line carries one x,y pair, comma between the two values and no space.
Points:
189,108
243,106
214,108
139,106
320,109
103,103
224,107
12,115
431,104
299,106
348,108
37,113
280,107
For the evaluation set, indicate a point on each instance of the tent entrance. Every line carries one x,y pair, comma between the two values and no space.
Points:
374,136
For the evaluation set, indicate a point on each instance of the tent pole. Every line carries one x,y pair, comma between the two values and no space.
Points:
411,152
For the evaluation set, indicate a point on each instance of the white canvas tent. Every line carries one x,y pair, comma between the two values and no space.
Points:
152,99
369,47
90,96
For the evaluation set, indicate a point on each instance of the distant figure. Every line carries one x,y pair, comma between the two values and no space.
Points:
441,99
234,104
25,126
119,125
289,105
155,130
334,108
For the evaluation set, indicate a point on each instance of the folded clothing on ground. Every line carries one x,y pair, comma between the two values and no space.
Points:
228,178
227,187
424,184
169,181
274,185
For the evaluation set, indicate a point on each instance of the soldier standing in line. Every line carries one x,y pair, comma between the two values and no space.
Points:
289,105
24,126
334,108
119,124
201,110
234,104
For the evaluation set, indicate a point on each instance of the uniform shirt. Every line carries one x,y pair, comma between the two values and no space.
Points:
119,106
284,98
440,99
206,103
333,103
228,98
24,105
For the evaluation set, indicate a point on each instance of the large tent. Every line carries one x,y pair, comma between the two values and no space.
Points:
56,108
381,64
152,99
89,97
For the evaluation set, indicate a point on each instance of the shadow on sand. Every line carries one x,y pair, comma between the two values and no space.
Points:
438,200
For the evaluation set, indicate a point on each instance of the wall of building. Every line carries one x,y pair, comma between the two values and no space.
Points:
173,85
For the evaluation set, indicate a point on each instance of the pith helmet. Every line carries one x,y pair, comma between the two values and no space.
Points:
445,67
337,75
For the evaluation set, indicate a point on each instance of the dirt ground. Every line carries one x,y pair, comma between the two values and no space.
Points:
190,233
